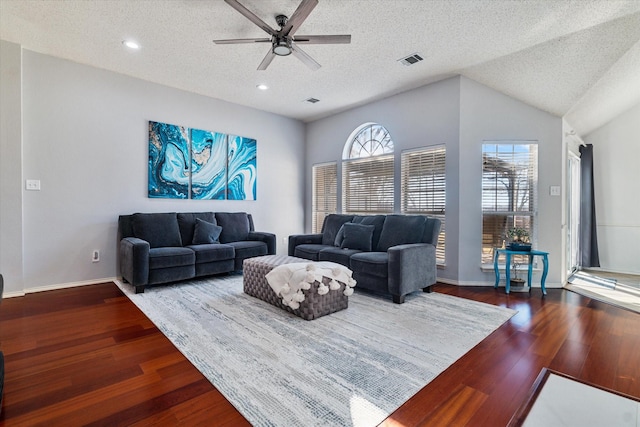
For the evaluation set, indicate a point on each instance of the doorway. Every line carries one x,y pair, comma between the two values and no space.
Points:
573,213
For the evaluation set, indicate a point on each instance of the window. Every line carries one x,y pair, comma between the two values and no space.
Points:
423,189
509,192
324,193
367,171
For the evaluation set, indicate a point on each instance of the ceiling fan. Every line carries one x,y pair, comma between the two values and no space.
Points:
283,42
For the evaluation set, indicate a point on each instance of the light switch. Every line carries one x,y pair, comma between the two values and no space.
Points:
554,190
33,184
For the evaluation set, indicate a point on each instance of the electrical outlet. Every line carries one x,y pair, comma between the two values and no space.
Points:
284,240
33,185
95,256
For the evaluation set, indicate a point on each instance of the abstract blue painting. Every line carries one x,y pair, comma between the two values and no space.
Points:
241,158
168,161
197,164
208,165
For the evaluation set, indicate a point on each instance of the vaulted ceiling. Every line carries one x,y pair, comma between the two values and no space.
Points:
577,59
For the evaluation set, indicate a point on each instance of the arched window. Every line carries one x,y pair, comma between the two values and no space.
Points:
367,171
368,140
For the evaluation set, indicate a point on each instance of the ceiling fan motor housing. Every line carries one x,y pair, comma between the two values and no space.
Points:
281,45
281,20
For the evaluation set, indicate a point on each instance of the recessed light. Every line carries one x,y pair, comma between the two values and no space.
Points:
262,87
131,44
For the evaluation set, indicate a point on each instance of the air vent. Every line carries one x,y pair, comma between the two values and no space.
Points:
411,59
312,100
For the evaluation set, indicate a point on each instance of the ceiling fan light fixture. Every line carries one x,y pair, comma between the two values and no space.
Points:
281,47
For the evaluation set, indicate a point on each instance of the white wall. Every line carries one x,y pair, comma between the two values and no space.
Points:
486,114
85,137
616,150
10,165
460,113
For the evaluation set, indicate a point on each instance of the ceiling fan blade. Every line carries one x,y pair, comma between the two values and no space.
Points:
304,57
298,17
236,41
335,39
250,16
267,60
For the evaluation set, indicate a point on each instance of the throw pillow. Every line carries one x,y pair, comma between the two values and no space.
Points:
357,236
339,237
205,232
159,229
187,223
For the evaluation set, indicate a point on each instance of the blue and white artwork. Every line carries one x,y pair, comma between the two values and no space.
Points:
168,161
241,158
208,165
189,163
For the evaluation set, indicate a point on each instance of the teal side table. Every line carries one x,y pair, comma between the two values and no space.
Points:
530,254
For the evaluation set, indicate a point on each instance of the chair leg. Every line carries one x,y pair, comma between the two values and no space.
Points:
398,299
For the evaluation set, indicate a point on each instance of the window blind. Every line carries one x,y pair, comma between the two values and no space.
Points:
509,192
424,189
368,185
324,193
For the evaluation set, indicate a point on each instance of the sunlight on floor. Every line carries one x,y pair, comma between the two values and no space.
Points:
365,413
605,289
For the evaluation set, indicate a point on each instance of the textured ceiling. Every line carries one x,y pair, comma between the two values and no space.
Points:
579,59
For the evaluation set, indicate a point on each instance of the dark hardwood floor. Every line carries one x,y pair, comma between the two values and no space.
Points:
88,356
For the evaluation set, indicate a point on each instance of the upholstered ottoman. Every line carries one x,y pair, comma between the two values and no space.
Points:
315,305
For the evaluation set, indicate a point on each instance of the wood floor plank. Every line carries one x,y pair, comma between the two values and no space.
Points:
88,356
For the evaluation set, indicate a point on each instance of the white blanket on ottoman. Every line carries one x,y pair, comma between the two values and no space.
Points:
289,280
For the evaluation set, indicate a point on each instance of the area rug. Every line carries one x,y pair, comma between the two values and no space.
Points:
350,368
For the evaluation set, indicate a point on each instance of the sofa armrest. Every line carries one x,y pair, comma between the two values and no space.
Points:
268,238
134,260
303,239
411,267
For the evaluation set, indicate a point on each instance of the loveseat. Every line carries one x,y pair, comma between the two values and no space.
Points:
390,254
160,248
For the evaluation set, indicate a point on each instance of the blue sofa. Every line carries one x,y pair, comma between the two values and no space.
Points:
160,248
390,254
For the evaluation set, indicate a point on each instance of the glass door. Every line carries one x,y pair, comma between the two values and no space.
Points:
573,213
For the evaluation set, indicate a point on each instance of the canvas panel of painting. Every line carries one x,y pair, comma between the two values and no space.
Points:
208,165
168,161
241,164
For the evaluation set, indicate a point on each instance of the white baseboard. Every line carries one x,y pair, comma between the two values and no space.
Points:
57,286
536,284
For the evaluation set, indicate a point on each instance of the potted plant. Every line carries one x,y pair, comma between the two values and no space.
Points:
515,280
519,239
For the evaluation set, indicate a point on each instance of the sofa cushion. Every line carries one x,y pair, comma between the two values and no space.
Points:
331,226
309,251
159,229
205,232
235,226
377,221
187,224
357,236
212,252
168,257
401,230
247,249
337,255
373,263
